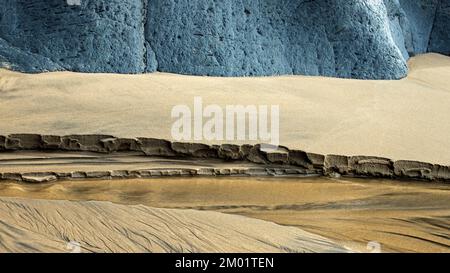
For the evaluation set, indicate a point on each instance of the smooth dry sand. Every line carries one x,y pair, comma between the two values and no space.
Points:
401,216
405,119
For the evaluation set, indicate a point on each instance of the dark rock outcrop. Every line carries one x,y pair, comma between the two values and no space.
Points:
256,160
229,152
411,23
371,166
440,36
156,147
413,169
97,36
194,150
23,142
350,39
2,143
336,164
342,38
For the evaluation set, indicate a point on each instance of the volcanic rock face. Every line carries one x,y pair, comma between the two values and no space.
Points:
97,36
234,38
411,22
343,38
440,37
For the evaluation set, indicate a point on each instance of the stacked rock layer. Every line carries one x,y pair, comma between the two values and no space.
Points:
276,162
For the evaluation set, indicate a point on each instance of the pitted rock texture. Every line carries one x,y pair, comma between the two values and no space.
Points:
440,37
234,38
411,23
98,36
342,38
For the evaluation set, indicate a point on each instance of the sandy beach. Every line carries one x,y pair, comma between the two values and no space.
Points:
62,226
400,216
405,119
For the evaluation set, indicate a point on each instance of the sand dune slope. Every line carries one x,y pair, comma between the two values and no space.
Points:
61,226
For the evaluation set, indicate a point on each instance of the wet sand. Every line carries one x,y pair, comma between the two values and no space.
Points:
401,216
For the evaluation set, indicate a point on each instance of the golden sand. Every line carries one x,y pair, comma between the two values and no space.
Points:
401,216
405,119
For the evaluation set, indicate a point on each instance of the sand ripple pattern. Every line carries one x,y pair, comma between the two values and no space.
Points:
28,225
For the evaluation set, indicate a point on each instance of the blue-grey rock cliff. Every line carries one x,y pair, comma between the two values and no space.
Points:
440,36
342,38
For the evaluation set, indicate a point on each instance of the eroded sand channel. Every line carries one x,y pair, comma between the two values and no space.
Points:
401,216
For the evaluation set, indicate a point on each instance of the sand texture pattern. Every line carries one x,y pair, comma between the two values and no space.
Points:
28,225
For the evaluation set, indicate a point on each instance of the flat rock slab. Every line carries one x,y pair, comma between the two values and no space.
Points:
41,167
34,166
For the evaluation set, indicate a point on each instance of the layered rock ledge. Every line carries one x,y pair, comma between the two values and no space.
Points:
342,38
148,157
